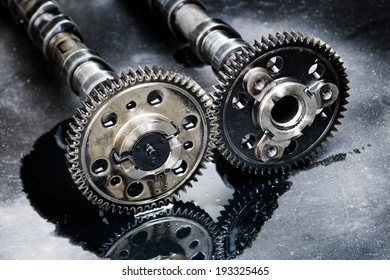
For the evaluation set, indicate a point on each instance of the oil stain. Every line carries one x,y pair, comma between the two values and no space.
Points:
51,191
332,159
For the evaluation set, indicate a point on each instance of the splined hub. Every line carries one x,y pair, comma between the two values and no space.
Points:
282,98
140,140
151,151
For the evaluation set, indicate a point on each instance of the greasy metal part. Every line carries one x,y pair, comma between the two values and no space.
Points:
59,39
128,151
290,91
212,40
175,232
279,108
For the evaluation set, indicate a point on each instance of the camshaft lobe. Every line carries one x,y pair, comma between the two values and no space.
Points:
211,39
59,39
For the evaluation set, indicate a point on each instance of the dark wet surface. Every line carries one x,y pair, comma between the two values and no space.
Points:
337,207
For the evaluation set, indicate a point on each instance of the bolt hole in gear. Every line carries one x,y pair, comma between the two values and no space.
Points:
278,101
295,89
127,149
134,155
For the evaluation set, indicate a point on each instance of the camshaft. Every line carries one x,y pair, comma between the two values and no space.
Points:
127,150
280,99
212,40
59,38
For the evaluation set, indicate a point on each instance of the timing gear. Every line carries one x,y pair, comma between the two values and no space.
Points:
290,91
139,138
176,232
129,151
279,100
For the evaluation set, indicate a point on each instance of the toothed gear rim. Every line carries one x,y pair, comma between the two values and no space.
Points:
143,105
182,231
298,52
243,218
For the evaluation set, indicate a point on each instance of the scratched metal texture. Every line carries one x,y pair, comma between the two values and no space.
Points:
338,208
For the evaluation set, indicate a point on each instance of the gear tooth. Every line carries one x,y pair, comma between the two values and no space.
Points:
94,98
220,87
228,71
88,194
156,69
288,36
141,74
76,127
115,84
125,78
301,36
178,77
222,83
98,202
266,44
273,39
151,73
72,135
224,76
132,76
258,45
169,76
108,86
158,73
187,82
236,64
83,111
281,37
246,52
295,36
148,70
236,59
164,73
80,121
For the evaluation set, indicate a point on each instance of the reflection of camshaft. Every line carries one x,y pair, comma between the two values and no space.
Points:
127,149
280,98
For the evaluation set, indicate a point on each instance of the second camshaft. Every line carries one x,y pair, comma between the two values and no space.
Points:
280,99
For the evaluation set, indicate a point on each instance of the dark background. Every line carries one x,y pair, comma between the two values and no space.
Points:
336,209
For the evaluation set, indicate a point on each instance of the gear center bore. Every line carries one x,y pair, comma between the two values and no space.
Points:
285,110
151,151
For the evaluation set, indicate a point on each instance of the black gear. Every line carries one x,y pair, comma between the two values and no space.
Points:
179,231
253,203
80,164
298,51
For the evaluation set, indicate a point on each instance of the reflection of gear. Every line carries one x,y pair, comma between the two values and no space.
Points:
253,203
139,140
180,231
289,90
